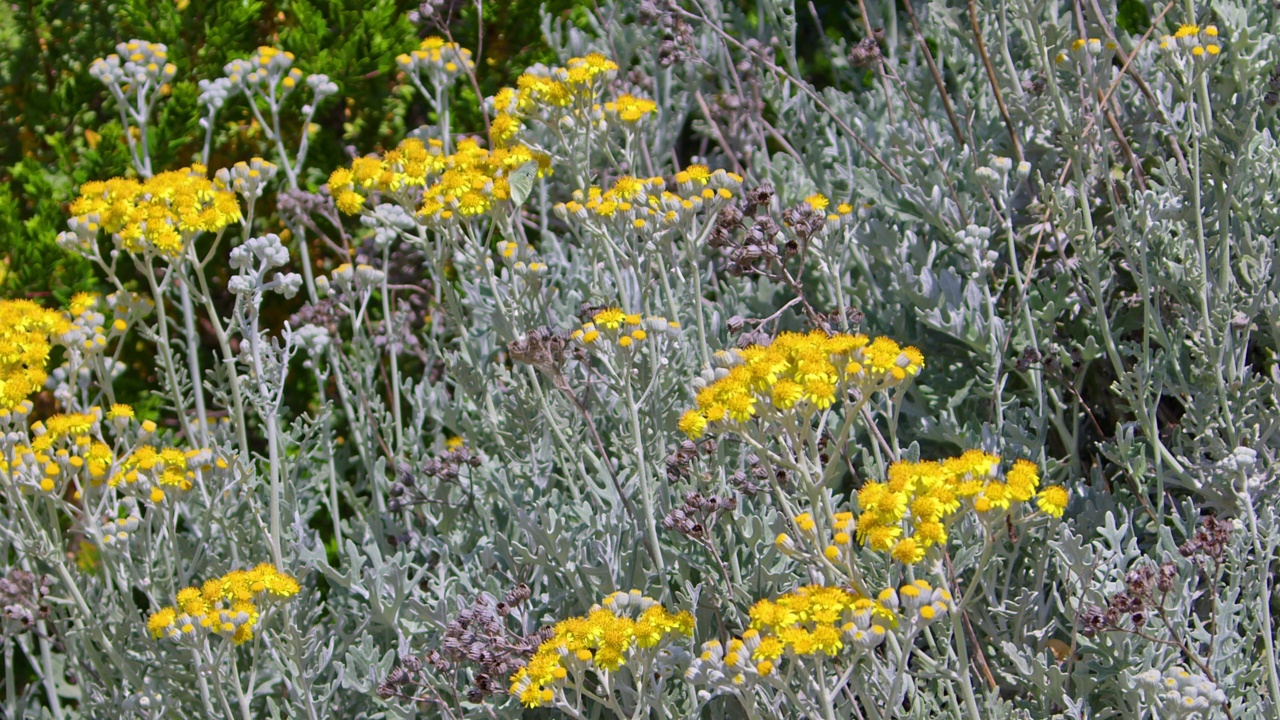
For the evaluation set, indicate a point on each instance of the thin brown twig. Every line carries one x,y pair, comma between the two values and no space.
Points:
978,656
777,136
1125,67
1105,107
875,430
933,70
1126,61
1141,41
1132,159
884,80
558,381
715,130
804,87
1075,622
933,146
471,73
995,83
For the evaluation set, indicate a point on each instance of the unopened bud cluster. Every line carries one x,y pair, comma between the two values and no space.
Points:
135,62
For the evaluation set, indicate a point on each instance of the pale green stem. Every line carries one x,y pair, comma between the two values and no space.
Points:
269,411
193,360
820,678
646,484
166,351
962,654
395,366
228,361
245,712
46,677
203,684
1262,561
327,442
10,680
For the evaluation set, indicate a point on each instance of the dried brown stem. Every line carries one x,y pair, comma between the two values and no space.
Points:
1126,61
715,130
995,84
884,80
933,70
806,89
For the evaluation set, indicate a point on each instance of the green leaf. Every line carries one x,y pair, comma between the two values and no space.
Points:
1132,16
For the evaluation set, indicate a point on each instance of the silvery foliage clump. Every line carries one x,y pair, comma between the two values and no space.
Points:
1075,223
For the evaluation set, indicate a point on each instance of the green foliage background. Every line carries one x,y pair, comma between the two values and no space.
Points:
51,109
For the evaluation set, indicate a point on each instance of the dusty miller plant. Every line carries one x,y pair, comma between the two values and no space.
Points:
680,385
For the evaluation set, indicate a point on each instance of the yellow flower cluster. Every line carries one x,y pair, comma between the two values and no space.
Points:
560,86
70,446
1202,43
548,93
519,256
630,109
1086,46
35,464
606,639
644,203
503,129
25,328
160,214
164,467
909,512
624,329
465,184
836,216
816,620
407,166
228,606
1091,45
443,59
82,329
808,621
800,372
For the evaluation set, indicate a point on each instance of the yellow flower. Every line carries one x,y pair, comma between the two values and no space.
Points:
503,128
609,318
804,521
1022,480
692,423
160,621
631,109
606,637
908,552
161,214
818,201
349,202
228,605
1053,500
82,303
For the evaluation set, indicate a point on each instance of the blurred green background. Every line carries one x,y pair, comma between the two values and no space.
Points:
58,129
